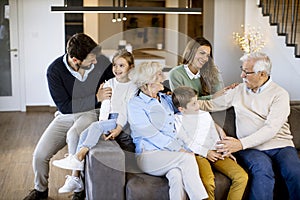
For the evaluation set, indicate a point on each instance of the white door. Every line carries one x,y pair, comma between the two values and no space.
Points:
10,87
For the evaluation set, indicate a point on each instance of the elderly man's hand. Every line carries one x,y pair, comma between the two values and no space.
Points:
229,145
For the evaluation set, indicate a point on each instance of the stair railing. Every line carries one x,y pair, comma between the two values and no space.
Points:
285,15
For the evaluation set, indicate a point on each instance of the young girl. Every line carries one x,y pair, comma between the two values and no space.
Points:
112,120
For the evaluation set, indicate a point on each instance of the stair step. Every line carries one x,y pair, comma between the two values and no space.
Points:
275,18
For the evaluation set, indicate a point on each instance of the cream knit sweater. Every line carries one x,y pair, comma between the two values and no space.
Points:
261,118
121,94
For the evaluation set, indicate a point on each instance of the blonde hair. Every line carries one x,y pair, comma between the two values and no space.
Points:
145,73
123,53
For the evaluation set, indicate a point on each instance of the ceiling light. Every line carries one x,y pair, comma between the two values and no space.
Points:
114,18
110,9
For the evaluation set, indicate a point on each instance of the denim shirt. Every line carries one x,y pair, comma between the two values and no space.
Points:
152,123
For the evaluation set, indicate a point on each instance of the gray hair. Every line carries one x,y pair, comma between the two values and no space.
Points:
145,73
261,62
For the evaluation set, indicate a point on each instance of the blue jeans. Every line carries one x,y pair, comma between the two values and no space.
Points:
90,136
259,165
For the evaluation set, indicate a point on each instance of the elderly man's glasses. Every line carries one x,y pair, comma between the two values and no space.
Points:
244,71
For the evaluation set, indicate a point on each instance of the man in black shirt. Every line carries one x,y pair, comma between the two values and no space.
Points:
74,81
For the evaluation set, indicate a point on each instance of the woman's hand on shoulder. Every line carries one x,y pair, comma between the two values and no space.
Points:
222,91
233,85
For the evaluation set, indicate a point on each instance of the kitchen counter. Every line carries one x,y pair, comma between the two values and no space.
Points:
148,54
141,55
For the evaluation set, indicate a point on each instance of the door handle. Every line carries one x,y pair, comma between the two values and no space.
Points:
13,50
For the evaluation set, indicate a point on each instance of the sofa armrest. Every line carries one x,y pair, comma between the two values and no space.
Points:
105,172
294,123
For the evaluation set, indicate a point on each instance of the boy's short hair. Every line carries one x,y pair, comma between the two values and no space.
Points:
182,95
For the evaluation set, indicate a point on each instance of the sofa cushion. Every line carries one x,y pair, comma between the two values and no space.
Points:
146,187
294,119
105,171
125,142
222,184
226,119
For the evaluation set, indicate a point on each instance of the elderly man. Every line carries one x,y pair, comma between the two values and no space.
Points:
264,138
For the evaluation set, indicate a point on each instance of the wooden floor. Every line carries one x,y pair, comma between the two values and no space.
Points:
19,134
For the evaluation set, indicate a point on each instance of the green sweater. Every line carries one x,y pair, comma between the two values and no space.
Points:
178,77
261,118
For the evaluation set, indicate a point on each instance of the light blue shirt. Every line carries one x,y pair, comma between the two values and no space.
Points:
152,123
77,74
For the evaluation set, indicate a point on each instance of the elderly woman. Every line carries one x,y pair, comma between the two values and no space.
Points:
159,153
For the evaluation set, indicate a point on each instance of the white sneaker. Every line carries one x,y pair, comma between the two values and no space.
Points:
72,184
71,162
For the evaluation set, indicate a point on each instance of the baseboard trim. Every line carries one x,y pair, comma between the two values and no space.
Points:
52,109
41,109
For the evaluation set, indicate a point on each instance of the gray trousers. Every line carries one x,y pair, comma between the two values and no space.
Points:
64,127
181,170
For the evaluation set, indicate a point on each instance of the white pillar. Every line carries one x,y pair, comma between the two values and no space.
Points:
91,21
171,35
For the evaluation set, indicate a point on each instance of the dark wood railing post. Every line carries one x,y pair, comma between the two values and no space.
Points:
292,21
296,20
282,17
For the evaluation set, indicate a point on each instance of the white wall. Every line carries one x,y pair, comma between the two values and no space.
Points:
42,40
95,25
108,29
42,34
208,20
228,17
171,35
286,68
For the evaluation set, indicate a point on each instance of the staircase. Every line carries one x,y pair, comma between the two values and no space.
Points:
285,14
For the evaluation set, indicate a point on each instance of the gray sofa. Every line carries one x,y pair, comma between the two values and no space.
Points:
106,177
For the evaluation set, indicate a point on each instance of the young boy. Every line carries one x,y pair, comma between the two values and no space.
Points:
200,135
